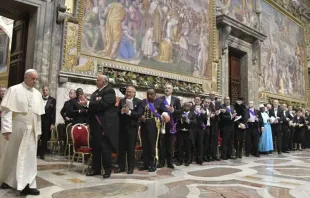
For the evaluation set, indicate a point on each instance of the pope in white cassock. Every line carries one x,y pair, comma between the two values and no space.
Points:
21,107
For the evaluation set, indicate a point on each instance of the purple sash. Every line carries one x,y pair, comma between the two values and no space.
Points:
203,126
252,113
228,109
152,108
173,129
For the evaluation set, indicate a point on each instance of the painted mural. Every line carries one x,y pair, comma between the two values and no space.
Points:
168,35
243,11
283,54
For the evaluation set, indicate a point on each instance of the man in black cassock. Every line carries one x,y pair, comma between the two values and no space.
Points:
166,141
150,110
128,124
104,126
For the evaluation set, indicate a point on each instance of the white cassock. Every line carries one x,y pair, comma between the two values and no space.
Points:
22,108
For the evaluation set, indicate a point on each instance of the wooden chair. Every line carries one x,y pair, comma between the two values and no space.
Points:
80,139
53,143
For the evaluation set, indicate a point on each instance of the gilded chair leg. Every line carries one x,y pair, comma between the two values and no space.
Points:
72,161
83,156
78,159
69,152
66,149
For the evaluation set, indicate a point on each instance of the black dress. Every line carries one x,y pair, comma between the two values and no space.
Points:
299,131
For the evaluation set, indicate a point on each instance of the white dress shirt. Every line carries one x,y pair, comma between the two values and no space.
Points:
168,98
252,117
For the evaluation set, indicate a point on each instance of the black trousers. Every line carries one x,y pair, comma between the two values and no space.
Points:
101,148
127,147
277,134
184,146
166,147
149,138
252,139
286,137
227,133
291,137
45,137
197,140
214,138
207,142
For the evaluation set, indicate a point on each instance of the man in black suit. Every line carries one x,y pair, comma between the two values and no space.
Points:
290,115
150,110
276,126
214,132
65,108
285,129
255,124
47,120
128,124
227,116
166,140
77,112
104,126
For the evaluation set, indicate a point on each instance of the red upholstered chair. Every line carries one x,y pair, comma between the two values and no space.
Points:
80,140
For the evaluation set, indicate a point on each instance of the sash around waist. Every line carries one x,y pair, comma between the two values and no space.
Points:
27,119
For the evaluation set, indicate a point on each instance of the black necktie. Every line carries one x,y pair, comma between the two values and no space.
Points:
44,99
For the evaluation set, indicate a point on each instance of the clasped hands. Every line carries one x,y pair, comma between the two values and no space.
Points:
125,109
83,101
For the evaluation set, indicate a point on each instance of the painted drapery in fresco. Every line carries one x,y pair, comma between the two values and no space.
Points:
168,35
283,51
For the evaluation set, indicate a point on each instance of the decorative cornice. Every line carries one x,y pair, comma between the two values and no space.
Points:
239,29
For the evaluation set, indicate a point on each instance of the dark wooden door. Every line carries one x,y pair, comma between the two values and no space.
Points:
18,52
234,78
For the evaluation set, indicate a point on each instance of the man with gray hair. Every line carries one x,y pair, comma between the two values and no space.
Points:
104,126
21,127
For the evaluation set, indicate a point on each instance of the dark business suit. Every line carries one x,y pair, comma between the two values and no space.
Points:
64,112
47,120
104,128
77,112
253,133
286,132
198,135
277,132
214,132
149,131
291,131
128,125
166,140
227,132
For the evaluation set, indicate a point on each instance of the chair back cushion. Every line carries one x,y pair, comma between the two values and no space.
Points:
80,136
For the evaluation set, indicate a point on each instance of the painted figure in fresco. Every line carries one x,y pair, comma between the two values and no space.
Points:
148,44
116,14
92,30
127,47
156,14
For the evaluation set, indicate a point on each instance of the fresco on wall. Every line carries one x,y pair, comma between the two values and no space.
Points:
283,54
243,11
168,35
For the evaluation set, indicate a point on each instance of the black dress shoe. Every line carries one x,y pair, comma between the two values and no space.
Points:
30,191
231,157
200,162
285,152
4,186
257,155
152,169
93,173
279,153
142,168
170,166
160,166
224,158
130,171
107,174
179,163
119,170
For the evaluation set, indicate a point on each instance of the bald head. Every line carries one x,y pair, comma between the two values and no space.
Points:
102,80
31,77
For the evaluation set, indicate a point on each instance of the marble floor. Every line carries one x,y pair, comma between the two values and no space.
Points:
282,176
